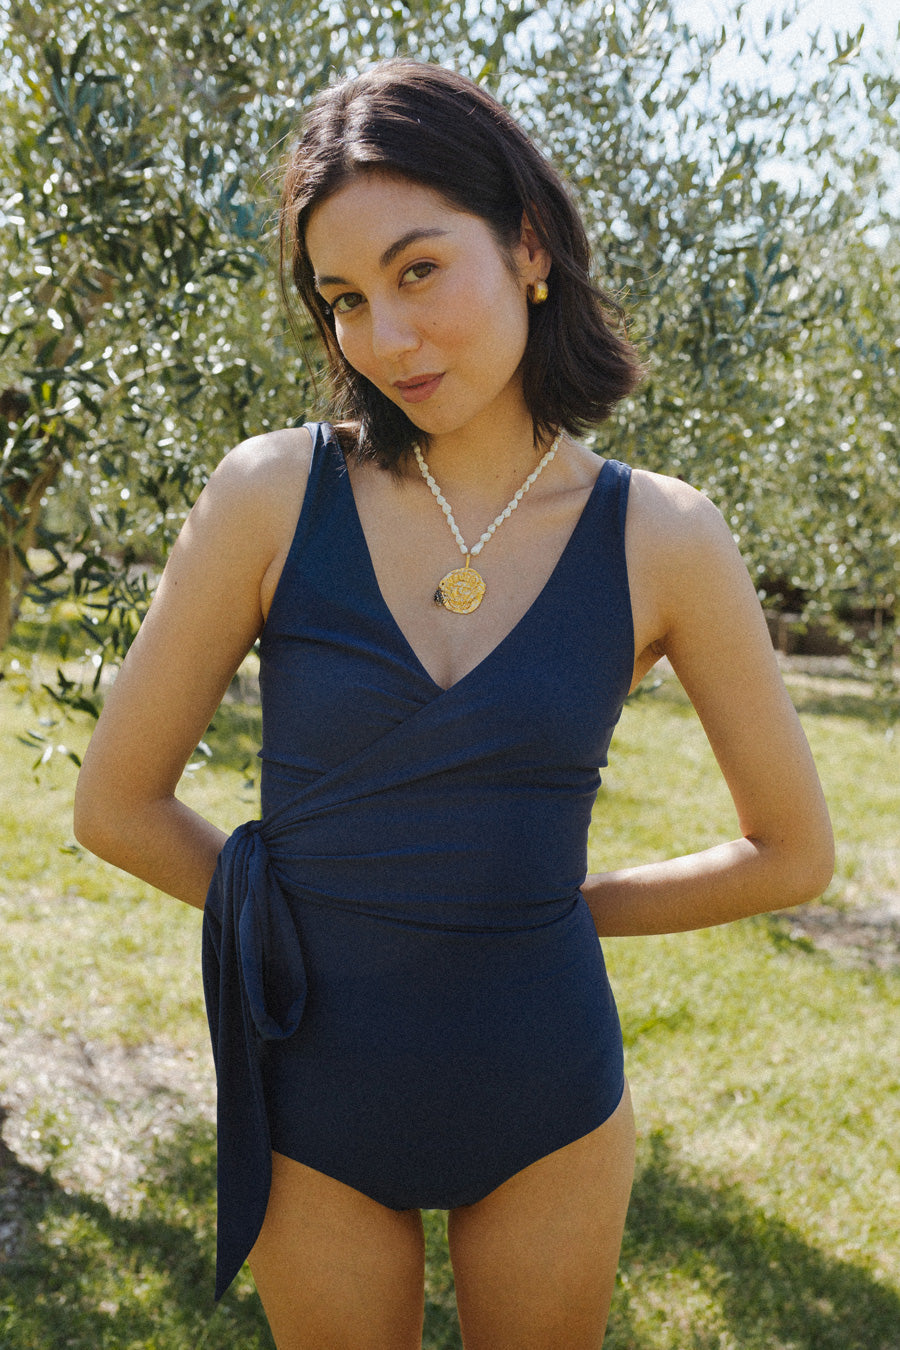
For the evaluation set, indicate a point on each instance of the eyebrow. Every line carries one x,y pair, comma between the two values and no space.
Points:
390,253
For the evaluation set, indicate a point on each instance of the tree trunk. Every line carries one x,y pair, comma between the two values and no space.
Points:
20,510
18,530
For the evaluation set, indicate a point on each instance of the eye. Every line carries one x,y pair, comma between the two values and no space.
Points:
346,303
418,271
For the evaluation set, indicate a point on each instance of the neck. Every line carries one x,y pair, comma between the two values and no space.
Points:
488,463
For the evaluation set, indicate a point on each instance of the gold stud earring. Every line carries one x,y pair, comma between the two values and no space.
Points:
538,292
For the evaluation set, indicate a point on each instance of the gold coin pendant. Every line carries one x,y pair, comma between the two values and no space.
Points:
460,591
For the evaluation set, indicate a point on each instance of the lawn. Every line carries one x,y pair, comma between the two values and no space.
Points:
764,1070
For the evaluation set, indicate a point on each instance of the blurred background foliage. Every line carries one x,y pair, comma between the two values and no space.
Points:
750,228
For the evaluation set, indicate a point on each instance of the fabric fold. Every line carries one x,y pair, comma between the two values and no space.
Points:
250,948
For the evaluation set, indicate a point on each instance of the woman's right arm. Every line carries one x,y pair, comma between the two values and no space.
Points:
208,610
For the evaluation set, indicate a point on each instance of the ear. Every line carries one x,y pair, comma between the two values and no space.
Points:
533,258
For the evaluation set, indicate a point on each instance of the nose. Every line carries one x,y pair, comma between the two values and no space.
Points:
392,332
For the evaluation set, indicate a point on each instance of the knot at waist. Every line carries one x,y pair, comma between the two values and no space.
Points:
249,904
254,982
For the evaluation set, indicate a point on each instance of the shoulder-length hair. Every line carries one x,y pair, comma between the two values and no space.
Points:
433,127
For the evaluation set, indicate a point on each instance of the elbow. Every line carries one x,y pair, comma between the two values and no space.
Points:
809,870
85,822
92,820
815,879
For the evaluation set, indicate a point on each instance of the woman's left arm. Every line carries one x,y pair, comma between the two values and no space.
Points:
695,603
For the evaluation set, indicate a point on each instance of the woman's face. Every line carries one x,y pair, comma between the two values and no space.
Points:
425,304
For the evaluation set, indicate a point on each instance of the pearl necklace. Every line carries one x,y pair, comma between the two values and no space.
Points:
463,590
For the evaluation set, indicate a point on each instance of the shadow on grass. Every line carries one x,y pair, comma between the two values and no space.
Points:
87,1279
876,712
703,1268
852,700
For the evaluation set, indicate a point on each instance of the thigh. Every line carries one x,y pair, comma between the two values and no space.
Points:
535,1261
336,1270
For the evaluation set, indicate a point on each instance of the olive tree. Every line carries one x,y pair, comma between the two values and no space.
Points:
142,334
752,234
141,331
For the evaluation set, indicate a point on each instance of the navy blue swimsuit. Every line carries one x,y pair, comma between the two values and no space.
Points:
404,984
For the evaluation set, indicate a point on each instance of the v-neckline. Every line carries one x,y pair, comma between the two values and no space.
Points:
510,633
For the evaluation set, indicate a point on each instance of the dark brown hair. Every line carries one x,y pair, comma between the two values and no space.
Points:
434,127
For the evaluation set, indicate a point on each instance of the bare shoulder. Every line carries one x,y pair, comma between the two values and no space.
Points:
682,561
253,499
266,473
671,520
280,449
240,528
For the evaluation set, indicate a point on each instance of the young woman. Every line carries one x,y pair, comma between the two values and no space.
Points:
406,993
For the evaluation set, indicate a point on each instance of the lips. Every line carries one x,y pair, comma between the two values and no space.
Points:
418,387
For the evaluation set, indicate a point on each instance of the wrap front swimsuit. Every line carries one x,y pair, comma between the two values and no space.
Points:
404,985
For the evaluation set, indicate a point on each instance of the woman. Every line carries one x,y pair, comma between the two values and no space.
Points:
407,999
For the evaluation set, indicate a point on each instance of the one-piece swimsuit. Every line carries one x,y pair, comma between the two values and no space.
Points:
404,984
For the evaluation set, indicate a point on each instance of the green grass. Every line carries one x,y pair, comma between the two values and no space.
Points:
764,1072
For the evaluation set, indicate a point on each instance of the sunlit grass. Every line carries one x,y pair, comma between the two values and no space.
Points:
662,792
764,1072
